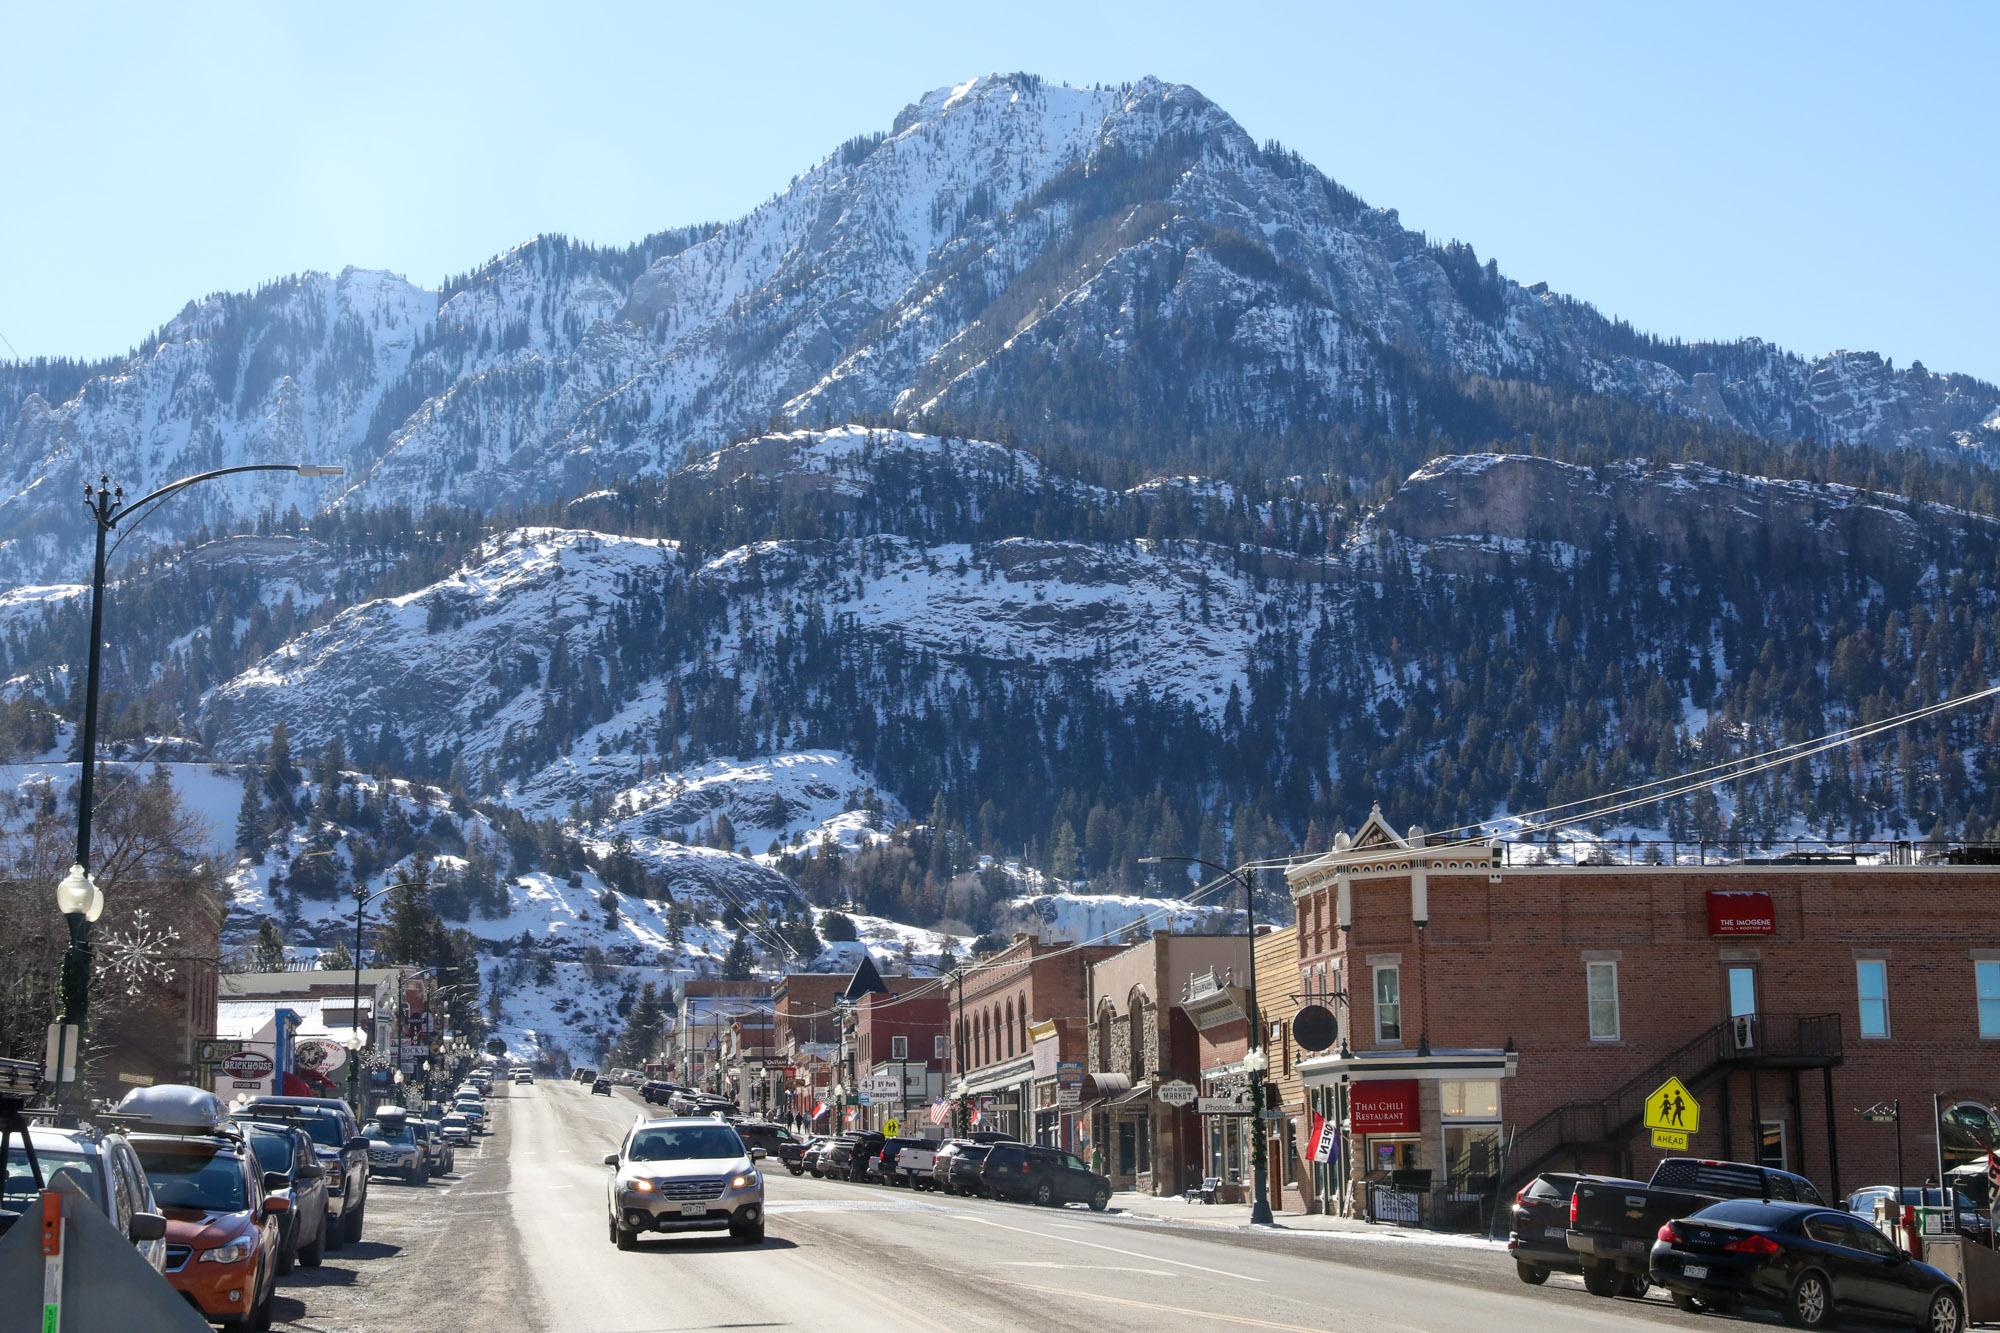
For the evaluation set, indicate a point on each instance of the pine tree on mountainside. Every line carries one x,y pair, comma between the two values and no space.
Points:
250,819
412,932
268,953
645,1029
736,964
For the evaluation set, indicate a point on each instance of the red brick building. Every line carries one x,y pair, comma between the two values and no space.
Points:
806,1034
1487,1003
995,1000
902,1037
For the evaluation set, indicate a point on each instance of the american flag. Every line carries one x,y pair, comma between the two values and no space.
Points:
940,1112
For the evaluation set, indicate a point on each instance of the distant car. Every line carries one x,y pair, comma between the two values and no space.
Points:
1972,1223
443,1158
962,1168
222,1209
524,1076
107,1170
779,1144
287,1150
684,1175
1812,1264
394,1149
457,1129
601,1087
584,1074
1030,1173
848,1158
341,1149
813,1159
474,1112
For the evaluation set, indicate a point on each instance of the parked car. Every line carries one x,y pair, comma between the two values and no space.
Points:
287,1150
584,1074
443,1157
600,1087
393,1149
1612,1226
848,1158
1813,1264
1539,1238
474,1113
905,1161
456,1129
684,1175
779,1144
1973,1224
813,1159
104,1166
962,1168
1029,1173
222,1209
342,1152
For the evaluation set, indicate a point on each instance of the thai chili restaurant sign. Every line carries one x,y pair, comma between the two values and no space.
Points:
1741,912
1388,1106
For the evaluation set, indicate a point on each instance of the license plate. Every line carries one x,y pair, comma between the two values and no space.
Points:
1555,1233
694,1209
1695,1270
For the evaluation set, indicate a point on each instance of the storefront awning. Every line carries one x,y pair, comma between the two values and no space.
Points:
1365,1066
995,1077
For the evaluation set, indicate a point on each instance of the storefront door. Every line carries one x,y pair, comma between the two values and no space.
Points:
1128,1148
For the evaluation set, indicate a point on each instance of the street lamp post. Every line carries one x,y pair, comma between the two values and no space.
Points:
1255,1061
361,901
109,508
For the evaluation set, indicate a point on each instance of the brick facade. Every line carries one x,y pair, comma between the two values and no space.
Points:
995,1000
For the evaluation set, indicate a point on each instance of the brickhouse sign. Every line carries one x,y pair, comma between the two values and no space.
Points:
1388,1106
1741,912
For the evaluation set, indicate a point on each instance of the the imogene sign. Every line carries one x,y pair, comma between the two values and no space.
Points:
1741,912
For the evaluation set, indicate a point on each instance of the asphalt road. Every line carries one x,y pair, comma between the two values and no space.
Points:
518,1241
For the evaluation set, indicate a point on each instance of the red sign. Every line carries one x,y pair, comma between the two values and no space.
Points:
1386,1107
1741,912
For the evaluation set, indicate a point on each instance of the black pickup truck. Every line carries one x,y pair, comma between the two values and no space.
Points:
1612,1225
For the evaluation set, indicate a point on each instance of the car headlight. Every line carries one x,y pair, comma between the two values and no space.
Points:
743,1181
235,1252
642,1186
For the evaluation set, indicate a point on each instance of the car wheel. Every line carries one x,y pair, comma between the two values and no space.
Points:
351,1224
311,1255
624,1238
1811,1302
1100,1199
751,1235
288,1245
796,1170
1688,1304
1944,1315
424,1174
1532,1274
1636,1286
260,1317
1601,1280
1044,1195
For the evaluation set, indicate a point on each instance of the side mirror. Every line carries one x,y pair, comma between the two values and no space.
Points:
277,1203
146,1226
611,1159
758,1154
355,1144
312,1171
276,1180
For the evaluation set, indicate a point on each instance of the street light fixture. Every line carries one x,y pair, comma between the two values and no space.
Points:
108,509
1255,1060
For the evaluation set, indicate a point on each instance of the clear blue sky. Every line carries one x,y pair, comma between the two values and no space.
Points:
1820,174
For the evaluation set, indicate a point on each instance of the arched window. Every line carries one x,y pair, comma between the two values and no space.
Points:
1007,1030
1024,1021
1971,1130
1138,1024
1107,1019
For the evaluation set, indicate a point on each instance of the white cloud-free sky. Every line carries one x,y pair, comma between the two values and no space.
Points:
1821,174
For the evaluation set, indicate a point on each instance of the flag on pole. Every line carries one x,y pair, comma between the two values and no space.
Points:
850,1116
940,1112
1325,1135
978,1118
819,1108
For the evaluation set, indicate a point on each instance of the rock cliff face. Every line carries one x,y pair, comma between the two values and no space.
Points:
1483,513
1114,269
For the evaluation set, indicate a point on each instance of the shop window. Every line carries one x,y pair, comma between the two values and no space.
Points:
1388,1002
1603,986
1469,1099
1986,976
1871,982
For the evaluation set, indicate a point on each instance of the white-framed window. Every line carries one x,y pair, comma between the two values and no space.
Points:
1871,985
1388,1002
1986,979
899,1048
1469,1099
1601,978
1771,1145
937,1046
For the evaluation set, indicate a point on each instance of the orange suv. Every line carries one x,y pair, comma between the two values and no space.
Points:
222,1214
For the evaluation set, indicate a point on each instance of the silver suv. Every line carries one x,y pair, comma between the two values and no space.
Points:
393,1147
684,1174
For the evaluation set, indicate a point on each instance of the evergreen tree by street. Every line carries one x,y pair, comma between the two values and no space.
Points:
645,1029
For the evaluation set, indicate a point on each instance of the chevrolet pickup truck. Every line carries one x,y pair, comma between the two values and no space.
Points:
1612,1224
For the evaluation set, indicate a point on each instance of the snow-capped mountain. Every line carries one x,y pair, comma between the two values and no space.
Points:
1119,269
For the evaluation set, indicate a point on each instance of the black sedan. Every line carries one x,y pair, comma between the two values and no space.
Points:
1814,1265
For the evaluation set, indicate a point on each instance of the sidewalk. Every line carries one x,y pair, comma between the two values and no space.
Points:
1145,1207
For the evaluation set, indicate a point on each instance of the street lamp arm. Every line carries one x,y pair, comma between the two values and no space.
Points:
298,469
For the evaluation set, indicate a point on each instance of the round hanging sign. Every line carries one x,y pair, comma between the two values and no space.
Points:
1314,1028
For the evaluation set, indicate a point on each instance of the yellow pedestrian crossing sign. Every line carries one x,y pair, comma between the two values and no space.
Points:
891,1126
1672,1114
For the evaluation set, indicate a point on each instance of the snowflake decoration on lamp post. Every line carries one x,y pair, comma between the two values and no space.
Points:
138,955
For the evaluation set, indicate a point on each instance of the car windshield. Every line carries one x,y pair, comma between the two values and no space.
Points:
685,1141
19,1190
396,1132
274,1152
324,1129
195,1178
